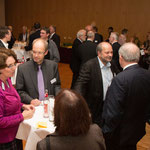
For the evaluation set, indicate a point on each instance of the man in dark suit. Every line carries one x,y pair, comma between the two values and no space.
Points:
24,35
13,39
27,83
126,102
33,36
74,64
55,37
94,78
5,36
87,50
113,39
98,37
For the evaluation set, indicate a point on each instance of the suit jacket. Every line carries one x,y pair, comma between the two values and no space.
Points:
74,64
26,82
12,41
125,106
32,37
85,52
90,85
93,140
115,48
53,53
2,45
56,39
20,38
98,38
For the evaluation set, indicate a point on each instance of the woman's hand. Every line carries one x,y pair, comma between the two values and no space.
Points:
28,107
27,114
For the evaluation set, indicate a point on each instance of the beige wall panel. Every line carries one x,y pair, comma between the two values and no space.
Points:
70,16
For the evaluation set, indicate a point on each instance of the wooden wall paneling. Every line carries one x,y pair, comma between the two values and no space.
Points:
70,16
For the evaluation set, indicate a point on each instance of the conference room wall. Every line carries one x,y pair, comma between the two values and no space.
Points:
71,15
2,13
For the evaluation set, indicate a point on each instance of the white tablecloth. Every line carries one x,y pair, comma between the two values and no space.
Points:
21,53
28,131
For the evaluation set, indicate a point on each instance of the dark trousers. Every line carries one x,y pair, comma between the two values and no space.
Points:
74,78
111,144
16,144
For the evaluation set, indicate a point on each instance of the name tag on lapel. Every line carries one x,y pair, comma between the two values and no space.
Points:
53,81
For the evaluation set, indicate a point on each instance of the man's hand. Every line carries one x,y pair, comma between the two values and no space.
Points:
35,102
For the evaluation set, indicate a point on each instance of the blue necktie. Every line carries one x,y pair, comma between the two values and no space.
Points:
40,83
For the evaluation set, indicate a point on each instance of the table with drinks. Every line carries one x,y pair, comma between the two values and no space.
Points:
22,54
39,126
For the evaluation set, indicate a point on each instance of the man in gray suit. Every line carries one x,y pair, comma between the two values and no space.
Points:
27,83
53,53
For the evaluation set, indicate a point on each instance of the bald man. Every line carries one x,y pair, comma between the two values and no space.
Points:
27,83
94,79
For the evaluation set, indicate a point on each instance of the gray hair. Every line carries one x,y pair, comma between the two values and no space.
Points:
130,52
90,34
80,33
43,41
115,35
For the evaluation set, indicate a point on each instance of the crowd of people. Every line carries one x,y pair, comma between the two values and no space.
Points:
108,104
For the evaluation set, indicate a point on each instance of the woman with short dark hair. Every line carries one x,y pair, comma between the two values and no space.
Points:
10,103
74,130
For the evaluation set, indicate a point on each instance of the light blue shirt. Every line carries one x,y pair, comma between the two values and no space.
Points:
107,76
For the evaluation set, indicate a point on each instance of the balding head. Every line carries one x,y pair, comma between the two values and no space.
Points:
90,35
104,52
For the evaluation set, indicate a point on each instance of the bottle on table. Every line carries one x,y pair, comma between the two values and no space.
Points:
46,105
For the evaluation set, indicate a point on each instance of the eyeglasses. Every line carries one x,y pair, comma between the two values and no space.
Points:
11,65
39,53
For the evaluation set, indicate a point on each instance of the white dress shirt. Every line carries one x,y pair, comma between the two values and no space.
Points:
107,76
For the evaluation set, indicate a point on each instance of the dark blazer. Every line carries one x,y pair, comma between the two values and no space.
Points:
98,38
90,85
32,37
56,39
85,52
12,41
2,45
75,62
115,47
20,38
125,107
26,82
93,140
74,59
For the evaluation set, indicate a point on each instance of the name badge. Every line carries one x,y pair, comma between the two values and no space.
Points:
53,81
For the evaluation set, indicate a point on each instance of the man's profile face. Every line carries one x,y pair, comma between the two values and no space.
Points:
8,36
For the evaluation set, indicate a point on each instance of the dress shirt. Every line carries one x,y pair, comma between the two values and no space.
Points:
5,44
24,37
107,76
80,40
52,35
10,112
